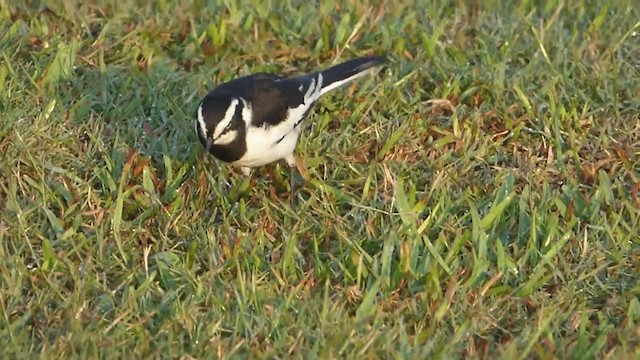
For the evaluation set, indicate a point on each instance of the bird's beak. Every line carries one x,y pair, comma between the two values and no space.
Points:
209,143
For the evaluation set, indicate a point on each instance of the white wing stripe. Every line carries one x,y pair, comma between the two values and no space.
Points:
343,81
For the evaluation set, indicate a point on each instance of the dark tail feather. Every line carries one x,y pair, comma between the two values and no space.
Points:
348,71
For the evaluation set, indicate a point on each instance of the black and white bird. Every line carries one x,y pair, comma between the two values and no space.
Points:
256,119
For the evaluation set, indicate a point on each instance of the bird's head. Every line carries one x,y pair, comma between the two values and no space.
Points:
219,120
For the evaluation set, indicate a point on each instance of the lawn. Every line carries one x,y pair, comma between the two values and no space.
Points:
479,197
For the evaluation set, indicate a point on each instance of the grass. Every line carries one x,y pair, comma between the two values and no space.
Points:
479,197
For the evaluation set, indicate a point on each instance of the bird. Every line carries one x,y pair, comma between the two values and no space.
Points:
256,119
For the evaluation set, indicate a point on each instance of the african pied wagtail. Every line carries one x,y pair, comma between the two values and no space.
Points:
256,119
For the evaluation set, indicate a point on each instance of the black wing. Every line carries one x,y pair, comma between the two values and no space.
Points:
270,95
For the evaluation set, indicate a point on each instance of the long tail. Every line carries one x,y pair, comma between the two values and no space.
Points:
347,71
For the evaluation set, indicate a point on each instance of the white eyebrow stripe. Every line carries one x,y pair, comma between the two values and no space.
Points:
228,116
203,125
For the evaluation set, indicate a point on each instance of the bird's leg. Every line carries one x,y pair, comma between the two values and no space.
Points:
239,188
291,161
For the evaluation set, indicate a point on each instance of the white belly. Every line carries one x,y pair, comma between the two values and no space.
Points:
263,145
262,148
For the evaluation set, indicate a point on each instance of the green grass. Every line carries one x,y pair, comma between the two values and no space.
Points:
479,197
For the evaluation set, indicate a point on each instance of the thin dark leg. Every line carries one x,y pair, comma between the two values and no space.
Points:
291,161
293,186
